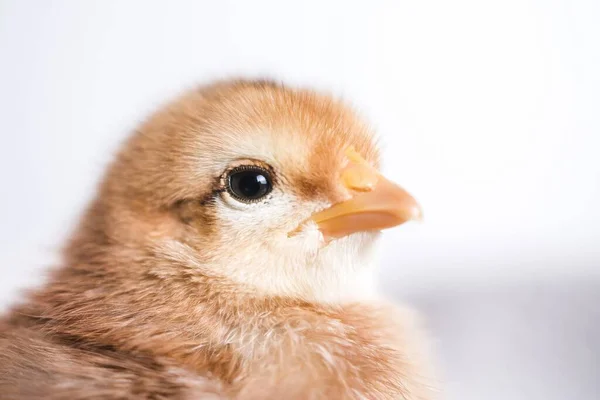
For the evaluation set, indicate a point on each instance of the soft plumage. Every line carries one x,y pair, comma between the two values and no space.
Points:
174,287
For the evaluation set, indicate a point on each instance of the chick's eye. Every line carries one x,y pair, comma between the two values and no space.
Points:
249,183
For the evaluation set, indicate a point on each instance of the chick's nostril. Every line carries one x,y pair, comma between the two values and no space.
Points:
359,178
358,175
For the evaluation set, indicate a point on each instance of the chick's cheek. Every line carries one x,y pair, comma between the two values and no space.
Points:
271,218
307,235
302,224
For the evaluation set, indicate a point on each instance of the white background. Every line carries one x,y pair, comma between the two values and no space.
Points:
489,112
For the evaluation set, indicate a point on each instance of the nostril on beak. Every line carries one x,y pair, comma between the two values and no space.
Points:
359,178
358,175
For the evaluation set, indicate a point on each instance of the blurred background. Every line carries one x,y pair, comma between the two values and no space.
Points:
489,113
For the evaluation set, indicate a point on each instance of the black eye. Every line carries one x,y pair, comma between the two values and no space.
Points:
249,183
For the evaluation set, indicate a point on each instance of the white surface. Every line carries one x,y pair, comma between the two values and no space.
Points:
488,110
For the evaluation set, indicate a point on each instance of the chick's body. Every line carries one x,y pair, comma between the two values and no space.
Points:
198,272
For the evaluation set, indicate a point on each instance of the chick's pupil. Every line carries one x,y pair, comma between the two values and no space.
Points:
249,184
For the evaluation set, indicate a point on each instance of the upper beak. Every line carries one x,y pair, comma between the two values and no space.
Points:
376,204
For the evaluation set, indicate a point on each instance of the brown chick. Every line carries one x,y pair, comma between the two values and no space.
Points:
228,254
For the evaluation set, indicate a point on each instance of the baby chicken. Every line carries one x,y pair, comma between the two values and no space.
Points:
228,254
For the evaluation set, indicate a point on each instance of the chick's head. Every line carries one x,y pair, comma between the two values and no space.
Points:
275,189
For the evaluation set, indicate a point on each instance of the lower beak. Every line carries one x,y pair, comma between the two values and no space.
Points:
377,203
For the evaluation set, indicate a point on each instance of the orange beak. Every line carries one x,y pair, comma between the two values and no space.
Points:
377,203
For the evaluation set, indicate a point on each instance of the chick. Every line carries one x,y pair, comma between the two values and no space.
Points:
227,254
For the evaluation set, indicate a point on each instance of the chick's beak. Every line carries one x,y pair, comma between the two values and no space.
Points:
376,204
